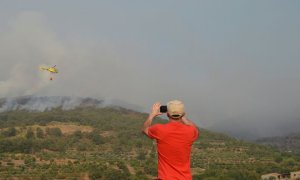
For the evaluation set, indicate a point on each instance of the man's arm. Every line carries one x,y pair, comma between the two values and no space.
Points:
188,122
155,112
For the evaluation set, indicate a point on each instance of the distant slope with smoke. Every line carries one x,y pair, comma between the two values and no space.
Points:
284,143
244,130
33,103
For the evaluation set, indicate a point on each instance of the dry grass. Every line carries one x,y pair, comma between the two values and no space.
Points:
106,133
66,128
70,128
131,169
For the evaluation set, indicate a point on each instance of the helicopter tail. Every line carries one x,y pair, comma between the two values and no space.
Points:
42,68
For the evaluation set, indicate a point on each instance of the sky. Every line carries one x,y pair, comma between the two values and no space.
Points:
235,64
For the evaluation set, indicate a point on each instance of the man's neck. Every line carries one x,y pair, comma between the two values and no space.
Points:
175,120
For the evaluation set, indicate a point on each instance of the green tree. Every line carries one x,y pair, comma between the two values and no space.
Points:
29,133
40,133
78,134
54,132
289,162
9,132
96,137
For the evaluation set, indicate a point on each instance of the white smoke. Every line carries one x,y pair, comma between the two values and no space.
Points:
25,44
30,103
94,70
240,74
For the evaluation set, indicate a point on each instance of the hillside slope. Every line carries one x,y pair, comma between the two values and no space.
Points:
107,143
290,143
44,103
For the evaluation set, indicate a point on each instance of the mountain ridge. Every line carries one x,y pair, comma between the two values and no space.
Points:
46,103
289,143
116,144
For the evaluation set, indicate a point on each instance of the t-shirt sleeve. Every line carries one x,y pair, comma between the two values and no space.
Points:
153,131
196,133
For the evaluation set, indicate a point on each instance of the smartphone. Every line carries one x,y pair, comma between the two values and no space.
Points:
163,109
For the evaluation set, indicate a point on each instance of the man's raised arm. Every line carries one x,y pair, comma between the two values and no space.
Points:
155,112
188,122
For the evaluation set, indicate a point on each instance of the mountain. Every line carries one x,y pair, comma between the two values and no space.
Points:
100,142
236,129
255,129
290,143
33,103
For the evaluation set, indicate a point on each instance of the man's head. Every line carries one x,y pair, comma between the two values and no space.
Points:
175,109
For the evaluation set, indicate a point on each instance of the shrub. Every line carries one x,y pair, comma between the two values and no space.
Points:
54,132
39,133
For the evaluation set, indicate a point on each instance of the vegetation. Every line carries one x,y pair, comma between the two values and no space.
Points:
107,143
289,143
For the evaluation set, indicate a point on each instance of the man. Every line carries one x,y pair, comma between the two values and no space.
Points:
174,141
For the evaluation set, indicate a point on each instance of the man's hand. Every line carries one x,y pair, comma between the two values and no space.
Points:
155,112
156,109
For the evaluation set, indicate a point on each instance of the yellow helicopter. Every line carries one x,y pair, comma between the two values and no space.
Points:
52,70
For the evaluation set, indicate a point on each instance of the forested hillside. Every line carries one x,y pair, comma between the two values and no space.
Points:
290,143
107,143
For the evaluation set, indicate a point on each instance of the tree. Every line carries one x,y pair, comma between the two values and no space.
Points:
54,132
40,133
96,138
289,162
29,133
10,132
78,134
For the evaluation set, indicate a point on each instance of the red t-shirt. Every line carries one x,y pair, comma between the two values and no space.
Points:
174,142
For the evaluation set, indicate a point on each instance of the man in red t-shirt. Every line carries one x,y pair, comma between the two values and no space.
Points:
174,141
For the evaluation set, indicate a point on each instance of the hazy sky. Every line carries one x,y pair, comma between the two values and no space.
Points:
229,61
